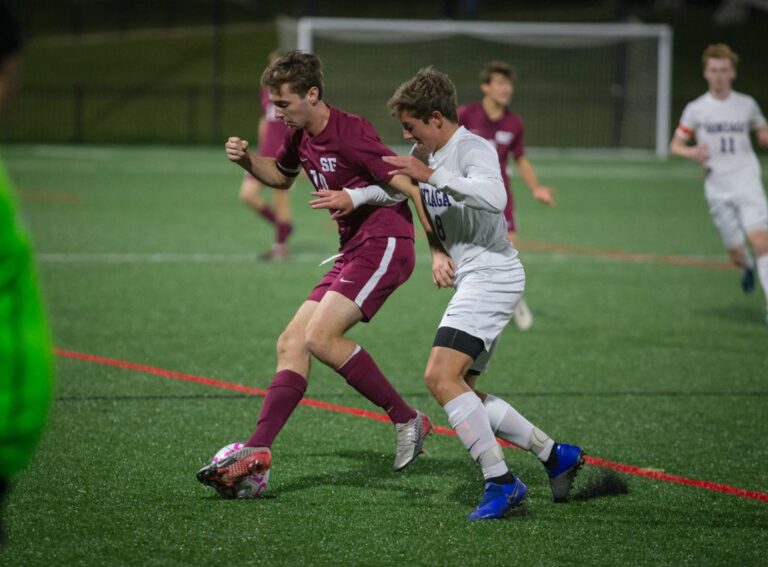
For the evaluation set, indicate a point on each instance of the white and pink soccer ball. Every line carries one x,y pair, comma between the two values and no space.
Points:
251,486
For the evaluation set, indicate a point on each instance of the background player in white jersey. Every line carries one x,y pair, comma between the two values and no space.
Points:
464,195
721,121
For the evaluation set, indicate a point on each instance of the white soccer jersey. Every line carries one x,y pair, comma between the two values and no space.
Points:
724,126
465,198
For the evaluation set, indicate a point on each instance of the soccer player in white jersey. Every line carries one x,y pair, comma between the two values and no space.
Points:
721,121
463,193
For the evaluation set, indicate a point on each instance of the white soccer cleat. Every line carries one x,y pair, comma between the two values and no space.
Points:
410,439
522,316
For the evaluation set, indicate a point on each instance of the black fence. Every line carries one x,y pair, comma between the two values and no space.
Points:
193,115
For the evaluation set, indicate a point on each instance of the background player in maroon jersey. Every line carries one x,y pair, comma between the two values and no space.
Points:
271,134
337,150
492,119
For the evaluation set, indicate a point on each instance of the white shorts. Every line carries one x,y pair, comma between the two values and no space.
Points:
737,204
483,305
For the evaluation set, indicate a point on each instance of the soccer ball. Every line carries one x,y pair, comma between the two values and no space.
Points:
251,486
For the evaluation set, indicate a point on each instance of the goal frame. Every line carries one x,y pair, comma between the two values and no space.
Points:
662,33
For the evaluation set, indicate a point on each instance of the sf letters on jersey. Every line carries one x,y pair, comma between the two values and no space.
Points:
328,164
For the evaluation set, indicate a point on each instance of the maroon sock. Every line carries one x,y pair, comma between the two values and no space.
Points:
268,214
283,395
284,229
361,372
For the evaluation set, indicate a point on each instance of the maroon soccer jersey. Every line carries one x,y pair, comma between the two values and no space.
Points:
276,129
347,154
506,134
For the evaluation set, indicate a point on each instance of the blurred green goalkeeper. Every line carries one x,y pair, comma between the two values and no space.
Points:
25,351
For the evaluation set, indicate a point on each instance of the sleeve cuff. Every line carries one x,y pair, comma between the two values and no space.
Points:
357,196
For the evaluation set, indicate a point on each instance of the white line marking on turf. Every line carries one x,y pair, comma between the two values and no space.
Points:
303,258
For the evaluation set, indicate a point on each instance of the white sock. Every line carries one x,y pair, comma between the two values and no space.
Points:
468,417
508,424
762,273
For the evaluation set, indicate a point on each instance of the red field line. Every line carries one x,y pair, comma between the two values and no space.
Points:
41,196
213,382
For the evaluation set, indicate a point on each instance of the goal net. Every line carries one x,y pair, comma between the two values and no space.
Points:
580,86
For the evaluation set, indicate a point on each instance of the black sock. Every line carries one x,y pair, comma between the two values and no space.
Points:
551,462
506,478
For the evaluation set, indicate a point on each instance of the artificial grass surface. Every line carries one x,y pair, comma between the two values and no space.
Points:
647,364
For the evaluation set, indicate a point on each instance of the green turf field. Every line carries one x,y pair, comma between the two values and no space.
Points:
146,256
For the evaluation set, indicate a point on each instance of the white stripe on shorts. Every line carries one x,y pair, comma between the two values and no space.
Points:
371,284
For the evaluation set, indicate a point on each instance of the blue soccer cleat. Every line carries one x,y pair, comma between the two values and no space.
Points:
747,280
570,458
498,499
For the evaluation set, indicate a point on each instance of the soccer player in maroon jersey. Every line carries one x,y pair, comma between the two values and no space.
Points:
271,134
338,151
492,119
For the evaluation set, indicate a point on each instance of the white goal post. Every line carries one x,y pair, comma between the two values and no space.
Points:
592,86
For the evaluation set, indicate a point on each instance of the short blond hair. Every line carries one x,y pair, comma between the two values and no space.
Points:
719,51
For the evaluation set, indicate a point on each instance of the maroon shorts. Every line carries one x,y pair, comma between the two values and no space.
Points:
369,273
509,212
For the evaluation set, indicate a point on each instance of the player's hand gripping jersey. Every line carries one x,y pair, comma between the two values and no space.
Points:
724,126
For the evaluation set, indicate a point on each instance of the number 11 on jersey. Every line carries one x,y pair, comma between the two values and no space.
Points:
727,145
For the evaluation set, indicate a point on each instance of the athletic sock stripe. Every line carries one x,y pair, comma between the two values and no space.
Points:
371,284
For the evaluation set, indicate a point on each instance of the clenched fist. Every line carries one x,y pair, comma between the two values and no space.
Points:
237,151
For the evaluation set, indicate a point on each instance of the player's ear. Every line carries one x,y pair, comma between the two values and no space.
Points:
437,118
313,94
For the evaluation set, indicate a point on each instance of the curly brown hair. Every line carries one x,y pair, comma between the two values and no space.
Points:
300,71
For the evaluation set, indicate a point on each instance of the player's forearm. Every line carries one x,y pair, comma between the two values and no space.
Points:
678,147
525,169
762,135
265,170
375,195
406,186
484,191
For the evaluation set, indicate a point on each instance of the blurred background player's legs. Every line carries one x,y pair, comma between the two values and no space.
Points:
522,316
278,214
742,257
758,240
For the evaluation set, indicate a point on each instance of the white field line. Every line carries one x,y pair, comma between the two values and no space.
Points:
89,158
129,165
530,257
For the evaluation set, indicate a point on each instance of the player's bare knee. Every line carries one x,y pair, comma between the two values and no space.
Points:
249,194
432,380
759,243
440,380
318,341
289,344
